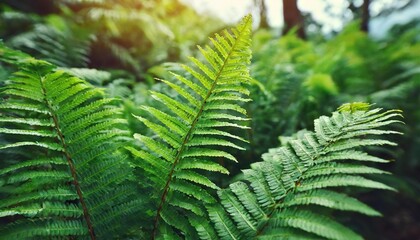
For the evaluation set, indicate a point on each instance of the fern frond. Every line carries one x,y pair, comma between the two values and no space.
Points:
62,175
186,137
272,201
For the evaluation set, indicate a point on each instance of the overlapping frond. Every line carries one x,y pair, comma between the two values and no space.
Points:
194,135
61,173
270,202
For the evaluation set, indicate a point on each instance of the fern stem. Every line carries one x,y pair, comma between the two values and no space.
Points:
188,135
70,163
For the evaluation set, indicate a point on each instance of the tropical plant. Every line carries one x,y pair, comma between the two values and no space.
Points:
306,78
271,202
65,174
179,150
188,138
61,173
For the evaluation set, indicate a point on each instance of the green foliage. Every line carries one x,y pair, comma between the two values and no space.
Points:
136,35
66,175
361,69
271,202
295,89
306,78
50,38
61,174
129,35
187,140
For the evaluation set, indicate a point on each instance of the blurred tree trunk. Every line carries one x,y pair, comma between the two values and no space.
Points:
263,13
293,18
365,16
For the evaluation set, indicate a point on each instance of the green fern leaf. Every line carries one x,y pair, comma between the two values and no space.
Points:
274,199
186,137
64,176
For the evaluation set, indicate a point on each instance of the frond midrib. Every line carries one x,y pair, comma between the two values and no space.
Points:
190,130
69,159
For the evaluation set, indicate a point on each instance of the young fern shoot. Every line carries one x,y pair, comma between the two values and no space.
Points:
188,137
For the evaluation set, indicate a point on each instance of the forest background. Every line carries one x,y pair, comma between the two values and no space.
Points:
300,71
